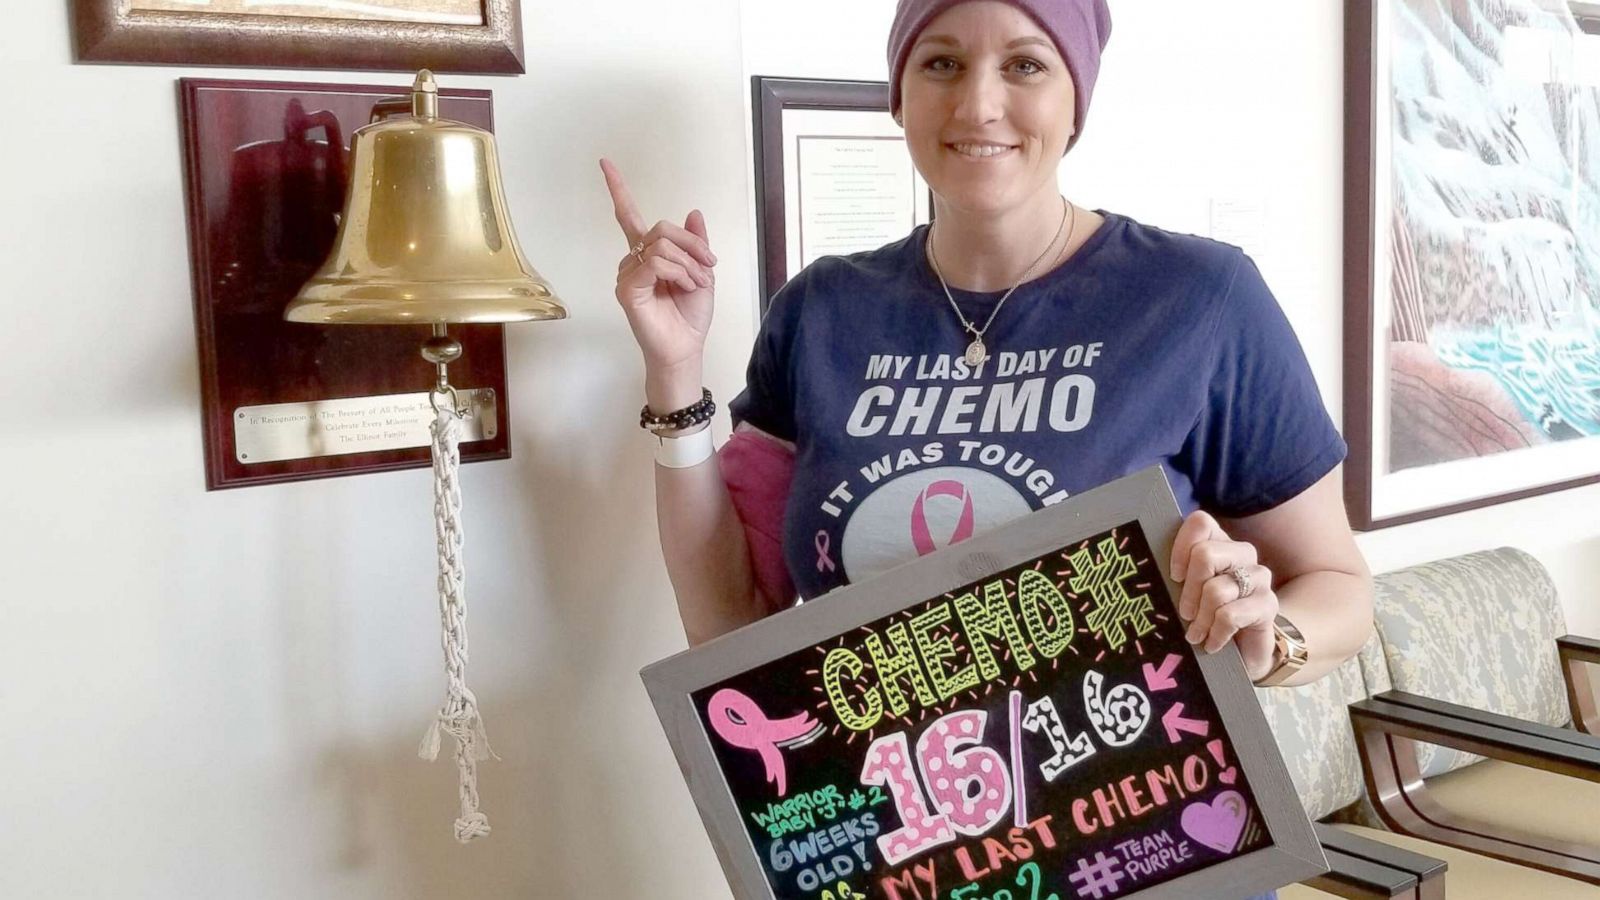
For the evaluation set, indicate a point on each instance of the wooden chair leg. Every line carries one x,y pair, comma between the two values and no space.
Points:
1398,793
1580,695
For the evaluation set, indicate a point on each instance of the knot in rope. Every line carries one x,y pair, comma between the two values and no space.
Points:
470,827
458,716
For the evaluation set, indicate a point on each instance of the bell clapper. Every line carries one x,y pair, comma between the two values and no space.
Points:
442,350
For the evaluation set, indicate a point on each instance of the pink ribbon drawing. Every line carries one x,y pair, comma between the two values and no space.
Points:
921,537
822,542
740,722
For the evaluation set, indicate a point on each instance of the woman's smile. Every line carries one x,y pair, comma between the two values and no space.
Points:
982,152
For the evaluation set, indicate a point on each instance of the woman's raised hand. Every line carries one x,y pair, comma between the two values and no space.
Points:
666,290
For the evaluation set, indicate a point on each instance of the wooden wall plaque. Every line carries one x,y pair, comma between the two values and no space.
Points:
264,173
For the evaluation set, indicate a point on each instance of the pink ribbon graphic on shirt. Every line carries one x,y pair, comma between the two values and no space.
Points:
740,722
822,542
921,537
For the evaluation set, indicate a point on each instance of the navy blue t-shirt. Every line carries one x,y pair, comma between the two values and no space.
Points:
1144,347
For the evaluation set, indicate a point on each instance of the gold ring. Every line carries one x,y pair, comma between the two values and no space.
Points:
638,251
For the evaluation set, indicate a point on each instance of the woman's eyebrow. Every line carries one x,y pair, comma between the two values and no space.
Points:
1030,40
953,42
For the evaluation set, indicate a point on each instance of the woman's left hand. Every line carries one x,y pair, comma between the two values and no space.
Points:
1203,558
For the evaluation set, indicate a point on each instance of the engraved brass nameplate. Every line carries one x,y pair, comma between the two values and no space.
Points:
282,431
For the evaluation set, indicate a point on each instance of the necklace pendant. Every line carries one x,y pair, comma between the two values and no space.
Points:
976,353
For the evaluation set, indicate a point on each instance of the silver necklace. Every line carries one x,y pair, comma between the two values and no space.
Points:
977,352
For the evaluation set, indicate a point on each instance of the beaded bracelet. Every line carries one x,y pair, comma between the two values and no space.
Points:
688,417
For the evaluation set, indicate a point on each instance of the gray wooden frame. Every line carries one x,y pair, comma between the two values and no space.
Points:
1293,854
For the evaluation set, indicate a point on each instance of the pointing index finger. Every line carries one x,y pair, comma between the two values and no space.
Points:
622,202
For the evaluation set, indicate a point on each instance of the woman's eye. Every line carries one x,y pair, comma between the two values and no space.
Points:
945,64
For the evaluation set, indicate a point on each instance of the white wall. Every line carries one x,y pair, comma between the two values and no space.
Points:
220,694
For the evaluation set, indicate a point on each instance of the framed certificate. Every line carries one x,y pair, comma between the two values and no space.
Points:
833,175
1017,715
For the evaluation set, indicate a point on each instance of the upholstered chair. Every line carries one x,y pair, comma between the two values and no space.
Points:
1313,730
1475,662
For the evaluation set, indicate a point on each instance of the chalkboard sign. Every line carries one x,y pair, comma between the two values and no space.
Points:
1015,717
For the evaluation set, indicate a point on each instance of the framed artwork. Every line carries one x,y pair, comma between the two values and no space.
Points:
1015,715
482,36
833,175
1472,234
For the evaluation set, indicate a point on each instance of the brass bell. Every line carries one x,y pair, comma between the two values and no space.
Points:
425,240
425,237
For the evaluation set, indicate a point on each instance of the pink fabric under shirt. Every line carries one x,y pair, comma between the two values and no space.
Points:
757,469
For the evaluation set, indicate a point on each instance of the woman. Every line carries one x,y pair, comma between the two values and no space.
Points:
1020,350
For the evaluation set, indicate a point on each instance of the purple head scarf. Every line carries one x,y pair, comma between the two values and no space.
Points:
1080,29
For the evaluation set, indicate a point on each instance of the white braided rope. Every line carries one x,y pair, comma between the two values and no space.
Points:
458,717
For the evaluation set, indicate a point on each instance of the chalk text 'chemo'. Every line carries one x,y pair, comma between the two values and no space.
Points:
914,653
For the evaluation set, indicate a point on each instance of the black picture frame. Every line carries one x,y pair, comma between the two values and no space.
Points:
769,98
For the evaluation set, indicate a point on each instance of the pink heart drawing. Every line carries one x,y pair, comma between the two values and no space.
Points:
1228,775
1219,823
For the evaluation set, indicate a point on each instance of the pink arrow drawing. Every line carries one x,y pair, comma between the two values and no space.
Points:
1175,724
1161,679
739,721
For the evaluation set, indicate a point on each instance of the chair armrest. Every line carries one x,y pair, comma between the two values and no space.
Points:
1387,731
1361,868
1583,648
1577,653
1355,878
1489,719
1462,728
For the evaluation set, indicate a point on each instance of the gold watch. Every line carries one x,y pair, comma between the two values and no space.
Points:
1289,648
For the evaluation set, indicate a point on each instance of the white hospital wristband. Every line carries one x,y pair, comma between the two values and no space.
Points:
685,451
